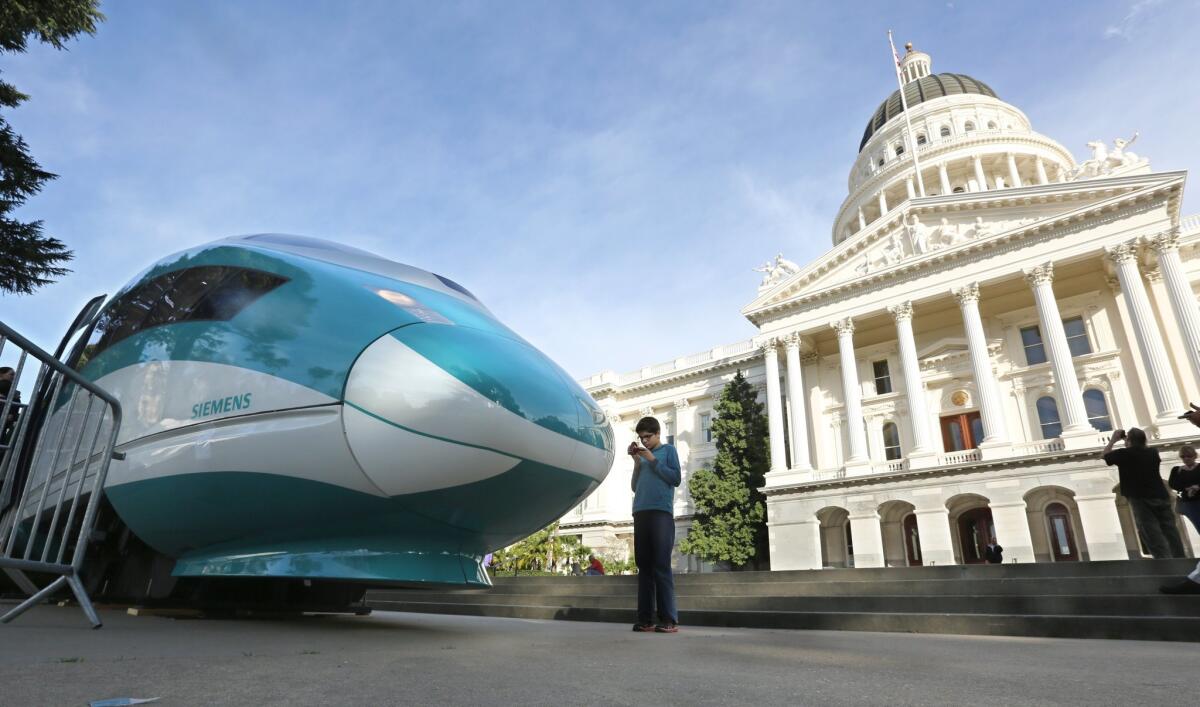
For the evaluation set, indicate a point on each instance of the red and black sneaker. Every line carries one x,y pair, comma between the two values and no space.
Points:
666,628
644,628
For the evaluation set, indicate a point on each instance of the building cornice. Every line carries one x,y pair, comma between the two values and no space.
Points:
1143,189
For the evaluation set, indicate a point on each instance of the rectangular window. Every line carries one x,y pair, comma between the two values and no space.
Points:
1035,351
666,433
706,426
1077,338
883,378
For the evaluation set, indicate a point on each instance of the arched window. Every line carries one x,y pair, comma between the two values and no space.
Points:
991,125
945,131
969,126
880,161
899,149
1062,538
1097,409
891,441
921,139
959,190
1047,411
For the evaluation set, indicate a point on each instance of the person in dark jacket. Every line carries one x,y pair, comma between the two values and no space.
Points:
1143,489
1191,583
993,553
1185,480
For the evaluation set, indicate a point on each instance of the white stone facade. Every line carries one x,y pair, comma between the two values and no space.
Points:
949,370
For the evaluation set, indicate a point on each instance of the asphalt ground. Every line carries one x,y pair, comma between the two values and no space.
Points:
50,656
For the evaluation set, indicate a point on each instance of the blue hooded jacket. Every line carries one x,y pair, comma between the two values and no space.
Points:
654,486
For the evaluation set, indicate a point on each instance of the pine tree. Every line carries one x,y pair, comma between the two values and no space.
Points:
29,259
730,521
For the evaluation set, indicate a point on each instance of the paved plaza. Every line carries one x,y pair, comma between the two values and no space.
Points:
50,657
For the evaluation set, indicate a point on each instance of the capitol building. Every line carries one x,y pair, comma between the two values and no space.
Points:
949,371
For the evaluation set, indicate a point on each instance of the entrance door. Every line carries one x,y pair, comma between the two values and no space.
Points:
962,431
912,540
975,529
1062,539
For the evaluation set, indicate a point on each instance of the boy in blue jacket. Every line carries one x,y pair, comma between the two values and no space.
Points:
655,476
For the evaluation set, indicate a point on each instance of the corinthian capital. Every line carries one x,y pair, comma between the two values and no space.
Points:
769,347
1040,275
682,405
844,327
1165,241
792,341
901,312
967,294
1123,252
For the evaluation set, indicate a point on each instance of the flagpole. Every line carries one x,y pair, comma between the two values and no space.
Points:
912,144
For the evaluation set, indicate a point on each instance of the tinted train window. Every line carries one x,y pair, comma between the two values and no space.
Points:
455,286
207,293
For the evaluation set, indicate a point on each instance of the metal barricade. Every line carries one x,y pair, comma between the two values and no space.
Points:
55,450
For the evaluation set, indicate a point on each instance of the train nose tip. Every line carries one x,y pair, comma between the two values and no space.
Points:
478,428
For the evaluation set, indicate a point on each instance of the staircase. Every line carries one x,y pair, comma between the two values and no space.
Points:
1117,599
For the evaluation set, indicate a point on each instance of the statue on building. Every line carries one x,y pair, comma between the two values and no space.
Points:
918,235
1103,161
980,229
945,235
776,271
893,251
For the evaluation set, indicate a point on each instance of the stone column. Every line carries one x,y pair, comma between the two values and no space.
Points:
1074,416
944,178
1167,403
774,406
914,388
1101,526
1013,175
933,527
979,176
883,207
793,535
1043,178
912,191
868,536
1183,301
1012,529
795,382
862,219
684,422
991,412
852,391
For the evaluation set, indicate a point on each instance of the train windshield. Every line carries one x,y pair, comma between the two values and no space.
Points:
205,293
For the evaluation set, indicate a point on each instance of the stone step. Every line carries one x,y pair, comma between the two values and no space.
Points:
1114,568
1098,605
1151,628
766,586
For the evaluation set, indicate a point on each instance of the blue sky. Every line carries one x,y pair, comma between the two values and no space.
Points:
603,175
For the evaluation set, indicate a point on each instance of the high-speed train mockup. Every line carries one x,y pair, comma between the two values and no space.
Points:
297,409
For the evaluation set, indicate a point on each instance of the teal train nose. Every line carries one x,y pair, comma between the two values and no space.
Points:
474,429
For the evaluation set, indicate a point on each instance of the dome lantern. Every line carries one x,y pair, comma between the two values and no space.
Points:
915,65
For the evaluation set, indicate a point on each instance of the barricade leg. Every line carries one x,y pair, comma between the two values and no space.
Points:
84,602
35,599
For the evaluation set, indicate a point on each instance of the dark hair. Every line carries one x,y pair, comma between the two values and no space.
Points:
1137,437
1187,449
648,424
5,369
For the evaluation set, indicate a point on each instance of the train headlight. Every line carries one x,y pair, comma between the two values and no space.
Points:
409,304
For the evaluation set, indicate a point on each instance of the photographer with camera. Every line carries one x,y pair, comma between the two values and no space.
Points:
656,473
1142,486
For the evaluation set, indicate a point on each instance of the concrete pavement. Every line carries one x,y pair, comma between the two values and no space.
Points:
50,657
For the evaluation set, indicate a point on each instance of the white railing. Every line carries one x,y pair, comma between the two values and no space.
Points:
964,457
679,364
828,474
1189,224
889,467
1102,438
1039,446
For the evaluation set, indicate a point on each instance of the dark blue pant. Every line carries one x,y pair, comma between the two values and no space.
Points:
1191,511
653,538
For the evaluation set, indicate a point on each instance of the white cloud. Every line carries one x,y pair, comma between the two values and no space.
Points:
1132,18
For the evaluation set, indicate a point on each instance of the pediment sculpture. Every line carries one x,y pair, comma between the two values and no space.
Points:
1104,161
776,271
